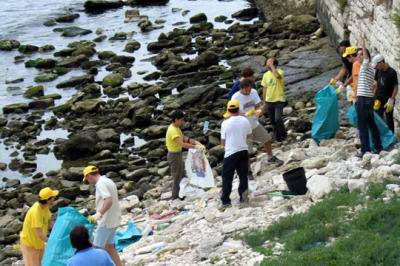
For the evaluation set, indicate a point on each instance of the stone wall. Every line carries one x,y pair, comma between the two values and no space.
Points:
369,17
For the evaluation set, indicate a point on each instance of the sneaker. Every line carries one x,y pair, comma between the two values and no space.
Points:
244,198
275,160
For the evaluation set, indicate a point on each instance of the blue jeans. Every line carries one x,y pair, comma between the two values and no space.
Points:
366,121
275,114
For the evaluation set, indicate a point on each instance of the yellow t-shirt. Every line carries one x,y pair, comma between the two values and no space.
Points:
36,217
172,133
275,87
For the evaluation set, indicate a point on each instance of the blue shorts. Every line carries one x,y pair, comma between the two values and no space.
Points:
103,236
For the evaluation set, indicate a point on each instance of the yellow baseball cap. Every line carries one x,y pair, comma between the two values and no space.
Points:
46,193
232,104
88,170
350,51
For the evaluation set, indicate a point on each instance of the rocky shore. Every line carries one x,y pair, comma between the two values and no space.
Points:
195,67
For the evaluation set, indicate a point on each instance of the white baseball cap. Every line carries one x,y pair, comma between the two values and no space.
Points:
376,60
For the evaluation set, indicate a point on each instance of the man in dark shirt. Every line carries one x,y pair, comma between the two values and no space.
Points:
247,73
386,87
346,69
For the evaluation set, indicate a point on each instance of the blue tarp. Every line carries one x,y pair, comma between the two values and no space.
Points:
127,237
326,119
58,248
387,136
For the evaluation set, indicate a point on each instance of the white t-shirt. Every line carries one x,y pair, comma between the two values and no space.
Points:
106,188
234,131
247,103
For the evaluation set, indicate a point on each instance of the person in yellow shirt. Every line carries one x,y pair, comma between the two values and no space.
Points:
273,84
175,141
36,225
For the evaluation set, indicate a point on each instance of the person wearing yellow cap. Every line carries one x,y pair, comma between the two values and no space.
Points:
108,213
36,225
346,69
175,141
234,133
355,57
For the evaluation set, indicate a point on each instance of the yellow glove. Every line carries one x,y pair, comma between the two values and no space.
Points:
94,218
340,89
377,105
251,112
16,246
389,105
332,82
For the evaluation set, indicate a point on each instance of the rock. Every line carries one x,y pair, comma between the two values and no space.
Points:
34,91
287,110
15,108
198,18
85,106
41,63
119,36
105,55
3,166
100,38
73,174
12,183
113,80
206,59
50,23
77,81
13,81
136,175
159,45
132,46
314,163
46,48
8,45
108,134
132,15
360,184
148,2
220,18
27,49
77,146
299,105
124,71
67,18
46,77
319,186
72,31
101,5
73,61
304,24
246,14
145,24
41,104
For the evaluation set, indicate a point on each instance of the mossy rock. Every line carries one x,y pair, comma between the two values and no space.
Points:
50,23
60,70
220,18
113,80
198,18
46,77
27,48
45,63
83,43
105,55
132,46
119,36
34,91
8,45
100,38
15,108
47,48
124,71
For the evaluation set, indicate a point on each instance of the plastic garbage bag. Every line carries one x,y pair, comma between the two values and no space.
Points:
127,237
187,190
58,248
387,136
198,169
326,119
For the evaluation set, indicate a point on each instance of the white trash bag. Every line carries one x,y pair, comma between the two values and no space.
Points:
189,191
198,169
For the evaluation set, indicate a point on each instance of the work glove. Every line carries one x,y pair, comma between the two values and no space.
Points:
258,112
251,112
94,218
377,105
389,105
332,82
340,89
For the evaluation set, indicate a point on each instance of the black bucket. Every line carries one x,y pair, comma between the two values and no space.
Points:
296,180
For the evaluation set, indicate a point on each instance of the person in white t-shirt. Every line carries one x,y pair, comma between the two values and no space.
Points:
250,106
108,213
234,133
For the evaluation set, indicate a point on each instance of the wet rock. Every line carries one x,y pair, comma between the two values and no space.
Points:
60,70
159,45
220,18
73,174
135,175
113,80
100,38
198,18
86,50
108,134
77,146
119,36
246,14
15,108
50,23
41,104
147,2
105,55
46,48
72,31
13,81
91,105
101,5
93,89
12,183
206,59
3,166
124,71
152,76
34,91
8,45
46,77
145,24
123,60
67,18
132,46
304,24
27,48
76,81
41,63
73,61
132,15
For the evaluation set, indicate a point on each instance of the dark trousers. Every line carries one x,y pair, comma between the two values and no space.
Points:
366,121
176,166
275,114
387,117
239,162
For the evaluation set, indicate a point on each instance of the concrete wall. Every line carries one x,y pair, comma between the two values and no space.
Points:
369,17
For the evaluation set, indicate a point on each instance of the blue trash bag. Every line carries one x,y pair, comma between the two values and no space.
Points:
127,237
326,119
58,248
387,136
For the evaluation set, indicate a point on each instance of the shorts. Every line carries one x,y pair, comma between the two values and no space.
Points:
259,135
103,236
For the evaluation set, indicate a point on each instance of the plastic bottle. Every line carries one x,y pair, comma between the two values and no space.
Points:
160,226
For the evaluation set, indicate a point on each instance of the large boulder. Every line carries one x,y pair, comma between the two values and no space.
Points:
77,81
113,80
108,134
102,5
77,146
8,45
206,59
34,91
15,108
246,14
198,18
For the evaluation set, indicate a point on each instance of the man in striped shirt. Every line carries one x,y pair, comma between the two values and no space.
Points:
365,104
